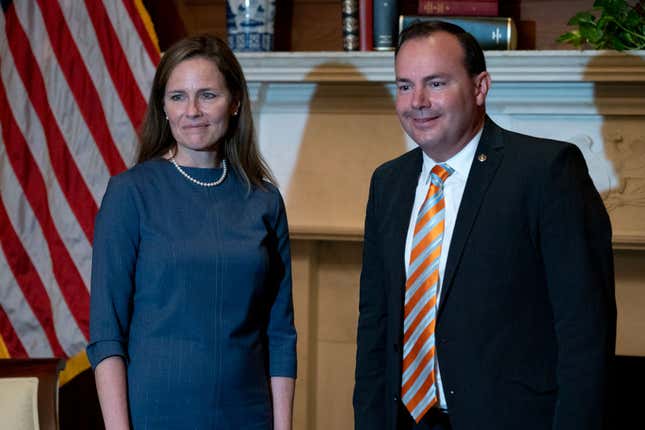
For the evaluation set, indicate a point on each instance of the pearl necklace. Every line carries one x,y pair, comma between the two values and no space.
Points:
195,181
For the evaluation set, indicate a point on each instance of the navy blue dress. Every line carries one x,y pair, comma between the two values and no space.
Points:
192,287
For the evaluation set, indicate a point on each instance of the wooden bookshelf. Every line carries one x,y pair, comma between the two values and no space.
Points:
315,25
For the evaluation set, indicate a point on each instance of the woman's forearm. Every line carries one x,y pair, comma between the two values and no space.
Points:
111,386
282,390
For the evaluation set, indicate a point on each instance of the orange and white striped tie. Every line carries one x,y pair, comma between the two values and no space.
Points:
418,388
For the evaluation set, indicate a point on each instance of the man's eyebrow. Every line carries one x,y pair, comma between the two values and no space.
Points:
425,78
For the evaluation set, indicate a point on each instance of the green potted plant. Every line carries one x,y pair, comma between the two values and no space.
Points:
611,24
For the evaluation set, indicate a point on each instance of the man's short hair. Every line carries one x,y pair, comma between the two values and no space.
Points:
474,60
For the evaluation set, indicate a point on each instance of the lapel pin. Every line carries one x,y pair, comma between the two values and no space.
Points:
482,158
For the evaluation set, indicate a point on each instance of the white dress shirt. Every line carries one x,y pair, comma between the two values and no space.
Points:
453,190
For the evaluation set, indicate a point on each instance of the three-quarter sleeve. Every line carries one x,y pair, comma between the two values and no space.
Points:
281,332
114,253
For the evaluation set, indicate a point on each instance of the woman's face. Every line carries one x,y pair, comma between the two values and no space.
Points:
198,106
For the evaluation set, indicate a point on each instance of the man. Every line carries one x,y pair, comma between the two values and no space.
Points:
487,291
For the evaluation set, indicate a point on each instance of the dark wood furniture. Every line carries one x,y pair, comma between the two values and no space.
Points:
46,370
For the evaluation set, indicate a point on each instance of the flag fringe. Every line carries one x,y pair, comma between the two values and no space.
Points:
4,352
74,366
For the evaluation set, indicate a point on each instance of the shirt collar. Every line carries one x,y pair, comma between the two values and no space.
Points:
460,162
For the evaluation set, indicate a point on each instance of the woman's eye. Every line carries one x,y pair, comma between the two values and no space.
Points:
175,97
209,96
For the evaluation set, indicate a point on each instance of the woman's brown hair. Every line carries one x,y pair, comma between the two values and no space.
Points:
239,144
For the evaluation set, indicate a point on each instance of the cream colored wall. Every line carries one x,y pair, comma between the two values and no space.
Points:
630,300
326,277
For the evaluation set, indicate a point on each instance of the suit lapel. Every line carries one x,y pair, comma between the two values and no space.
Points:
490,149
404,184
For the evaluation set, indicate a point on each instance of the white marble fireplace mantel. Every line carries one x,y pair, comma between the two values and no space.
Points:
505,66
326,120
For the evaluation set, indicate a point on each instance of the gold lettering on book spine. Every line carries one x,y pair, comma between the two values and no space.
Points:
436,7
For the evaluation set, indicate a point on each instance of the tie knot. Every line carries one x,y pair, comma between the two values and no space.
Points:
440,173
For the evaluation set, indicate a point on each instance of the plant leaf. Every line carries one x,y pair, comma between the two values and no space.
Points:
618,45
617,24
582,17
572,37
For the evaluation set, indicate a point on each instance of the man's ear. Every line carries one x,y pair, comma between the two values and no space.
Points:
482,85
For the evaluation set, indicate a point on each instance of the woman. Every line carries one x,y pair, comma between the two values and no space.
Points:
191,321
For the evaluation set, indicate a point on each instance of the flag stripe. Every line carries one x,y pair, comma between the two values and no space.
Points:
36,259
136,11
71,232
124,28
74,78
71,123
67,173
123,131
32,238
116,61
28,282
80,83
31,181
9,337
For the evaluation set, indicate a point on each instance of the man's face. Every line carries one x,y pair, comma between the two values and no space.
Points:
440,106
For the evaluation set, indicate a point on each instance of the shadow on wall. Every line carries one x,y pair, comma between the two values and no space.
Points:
344,140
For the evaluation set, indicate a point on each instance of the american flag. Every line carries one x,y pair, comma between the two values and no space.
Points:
75,75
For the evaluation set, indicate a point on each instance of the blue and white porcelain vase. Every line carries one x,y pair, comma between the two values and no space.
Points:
250,25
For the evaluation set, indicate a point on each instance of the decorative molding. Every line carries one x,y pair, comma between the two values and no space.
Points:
326,233
567,98
524,82
632,242
621,241
518,98
504,66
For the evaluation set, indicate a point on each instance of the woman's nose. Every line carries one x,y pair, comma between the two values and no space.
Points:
193,108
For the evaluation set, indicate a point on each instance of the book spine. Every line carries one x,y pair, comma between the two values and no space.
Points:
385,25
458,8
492,33
365,24
350,24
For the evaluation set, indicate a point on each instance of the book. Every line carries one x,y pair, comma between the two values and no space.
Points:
492,33
384,23
350,25
365,27
458,8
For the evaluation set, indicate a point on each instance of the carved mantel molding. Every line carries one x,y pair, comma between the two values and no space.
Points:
333,107
511,66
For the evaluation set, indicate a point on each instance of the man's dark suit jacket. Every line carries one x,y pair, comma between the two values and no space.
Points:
527,315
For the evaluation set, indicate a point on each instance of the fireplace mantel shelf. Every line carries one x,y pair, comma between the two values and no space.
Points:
525,66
